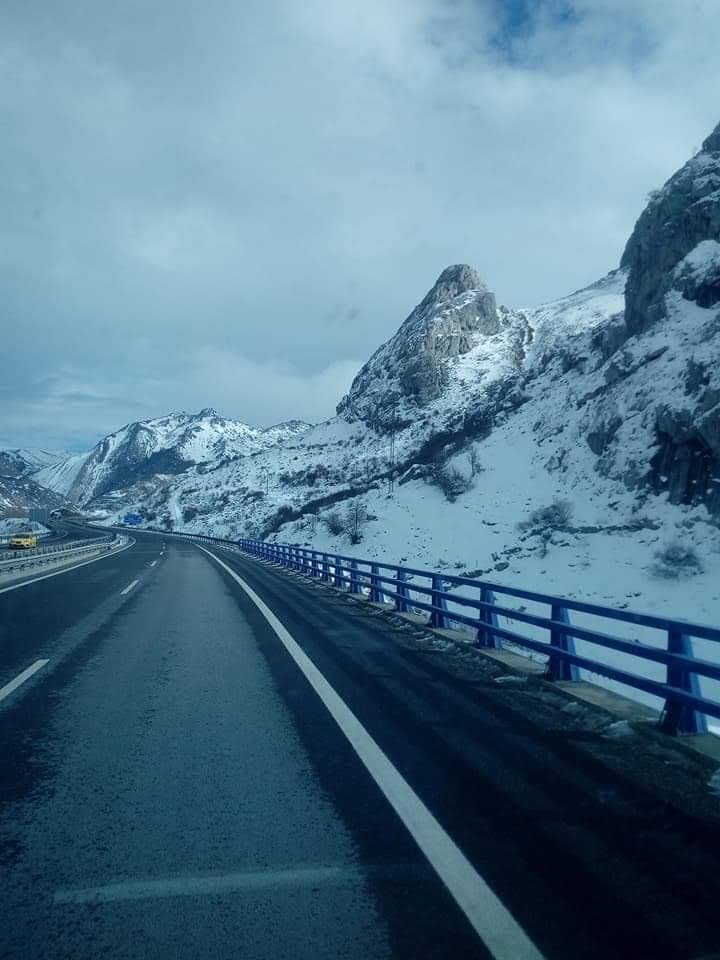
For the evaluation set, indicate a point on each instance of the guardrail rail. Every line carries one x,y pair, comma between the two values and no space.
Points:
38,556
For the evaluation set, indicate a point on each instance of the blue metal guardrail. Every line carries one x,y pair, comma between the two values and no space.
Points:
685,708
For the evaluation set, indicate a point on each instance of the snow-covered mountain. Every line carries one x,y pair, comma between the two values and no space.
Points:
145,455
19,488
25,461
572,447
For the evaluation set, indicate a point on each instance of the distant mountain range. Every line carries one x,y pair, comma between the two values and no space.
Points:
148,452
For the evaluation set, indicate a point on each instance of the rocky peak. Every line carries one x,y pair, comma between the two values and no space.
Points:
413,366
452,282
678,218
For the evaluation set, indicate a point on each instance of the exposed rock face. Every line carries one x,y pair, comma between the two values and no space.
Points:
687,463
678,218
673,258
413,365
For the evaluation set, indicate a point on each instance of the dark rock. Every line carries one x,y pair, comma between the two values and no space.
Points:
602,434
686,465
679,217
413,364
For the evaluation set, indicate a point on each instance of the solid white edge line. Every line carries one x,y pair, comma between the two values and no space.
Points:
56,573
491,920
129,587
21,678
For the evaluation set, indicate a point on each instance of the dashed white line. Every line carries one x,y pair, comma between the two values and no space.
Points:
129,587
153,563
492,921
21,678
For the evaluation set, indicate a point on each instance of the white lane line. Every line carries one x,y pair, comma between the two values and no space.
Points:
492,921
56,573
153,563
129,587
21,678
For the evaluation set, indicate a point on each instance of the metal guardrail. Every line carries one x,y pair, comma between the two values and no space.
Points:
685,708
42,555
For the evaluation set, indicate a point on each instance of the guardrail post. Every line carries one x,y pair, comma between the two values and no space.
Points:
315,570
402,604
557,668
488,619
437,617
376,592
676,717
339,576
355,585
326,568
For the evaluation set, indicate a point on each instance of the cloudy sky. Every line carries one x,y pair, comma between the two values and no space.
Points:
232,204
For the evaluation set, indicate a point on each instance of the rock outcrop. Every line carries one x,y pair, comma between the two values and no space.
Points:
674,243
412,367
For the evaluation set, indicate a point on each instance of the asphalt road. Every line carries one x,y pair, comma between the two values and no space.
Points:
173,787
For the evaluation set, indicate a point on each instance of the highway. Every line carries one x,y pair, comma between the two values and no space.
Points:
213,758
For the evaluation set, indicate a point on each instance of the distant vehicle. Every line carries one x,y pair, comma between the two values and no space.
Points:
23,541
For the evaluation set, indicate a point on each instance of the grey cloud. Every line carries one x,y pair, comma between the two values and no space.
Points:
233,205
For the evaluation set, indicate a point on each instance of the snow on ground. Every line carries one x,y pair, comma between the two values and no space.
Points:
60,476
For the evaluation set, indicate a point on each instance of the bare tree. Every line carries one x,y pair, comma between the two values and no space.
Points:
474,457
356,519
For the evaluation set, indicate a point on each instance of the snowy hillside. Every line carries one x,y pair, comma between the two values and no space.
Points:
22,493
61,476
23,462
19,489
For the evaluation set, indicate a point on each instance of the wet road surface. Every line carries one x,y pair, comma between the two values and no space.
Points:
172,786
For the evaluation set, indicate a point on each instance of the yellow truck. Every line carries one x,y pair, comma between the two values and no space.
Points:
23,541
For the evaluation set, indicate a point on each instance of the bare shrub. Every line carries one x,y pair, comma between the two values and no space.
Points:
451,481
284,514
676,561
335,522
556,515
